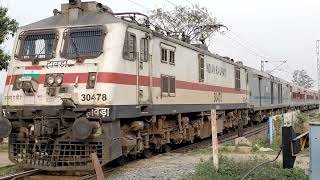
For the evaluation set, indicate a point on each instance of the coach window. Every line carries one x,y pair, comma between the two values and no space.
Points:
144,49
201,68
271,87
130,47
168,85
85,42
237,78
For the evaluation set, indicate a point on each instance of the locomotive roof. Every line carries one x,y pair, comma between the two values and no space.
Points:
90,18
62,20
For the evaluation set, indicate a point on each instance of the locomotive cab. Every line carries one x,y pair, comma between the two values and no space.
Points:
57,101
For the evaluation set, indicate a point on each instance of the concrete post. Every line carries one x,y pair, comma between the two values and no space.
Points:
270,122
215,156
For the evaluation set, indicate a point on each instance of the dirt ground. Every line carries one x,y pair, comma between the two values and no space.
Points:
4,160
163,166
180,166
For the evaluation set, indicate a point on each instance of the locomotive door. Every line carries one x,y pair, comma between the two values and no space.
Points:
144,77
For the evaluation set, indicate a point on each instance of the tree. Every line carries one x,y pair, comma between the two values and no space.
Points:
8,27
301,78
193,22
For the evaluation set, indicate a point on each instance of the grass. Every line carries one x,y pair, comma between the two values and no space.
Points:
4,171
231,170
3,147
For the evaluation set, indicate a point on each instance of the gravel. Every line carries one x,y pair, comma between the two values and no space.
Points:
163,167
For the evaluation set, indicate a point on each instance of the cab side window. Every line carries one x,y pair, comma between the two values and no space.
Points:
237,78
201,68
168,54
168,85
130,47
144,49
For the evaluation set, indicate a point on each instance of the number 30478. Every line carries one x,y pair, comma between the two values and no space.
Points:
93,97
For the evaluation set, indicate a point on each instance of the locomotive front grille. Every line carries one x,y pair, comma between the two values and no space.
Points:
60,155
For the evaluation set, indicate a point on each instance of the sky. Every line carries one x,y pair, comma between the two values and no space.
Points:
272,30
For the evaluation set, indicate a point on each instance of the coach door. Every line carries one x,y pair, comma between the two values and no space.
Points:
260,94
144,77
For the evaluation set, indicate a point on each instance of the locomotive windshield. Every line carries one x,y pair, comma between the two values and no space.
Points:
37,45
84,42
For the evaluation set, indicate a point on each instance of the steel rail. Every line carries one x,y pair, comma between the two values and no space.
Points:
21,174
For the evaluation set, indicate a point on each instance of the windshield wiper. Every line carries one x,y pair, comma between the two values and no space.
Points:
75,48
36,59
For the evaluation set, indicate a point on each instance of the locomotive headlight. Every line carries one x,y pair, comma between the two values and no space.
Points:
58,79
50,80
18,84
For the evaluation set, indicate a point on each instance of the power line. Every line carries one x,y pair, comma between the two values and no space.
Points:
171,3
245,47
239,43
251,44
140,5
243,42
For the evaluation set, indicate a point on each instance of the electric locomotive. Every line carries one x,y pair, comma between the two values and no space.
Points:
88,80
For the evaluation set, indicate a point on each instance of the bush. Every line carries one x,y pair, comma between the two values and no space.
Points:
229,170
299,122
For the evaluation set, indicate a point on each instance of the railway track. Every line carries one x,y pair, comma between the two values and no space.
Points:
21,174
250,131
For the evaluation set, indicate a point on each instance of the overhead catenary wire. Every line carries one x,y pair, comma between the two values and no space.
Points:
245,44
138,4
171,3
251,51
251,44
251,47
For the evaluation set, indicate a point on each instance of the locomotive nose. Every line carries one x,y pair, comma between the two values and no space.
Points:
5,127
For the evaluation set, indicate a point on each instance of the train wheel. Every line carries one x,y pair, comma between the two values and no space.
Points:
166,148
121,160
147,153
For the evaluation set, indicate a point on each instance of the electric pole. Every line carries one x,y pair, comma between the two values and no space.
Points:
318,69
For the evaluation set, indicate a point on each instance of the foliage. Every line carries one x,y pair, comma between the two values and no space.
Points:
277,122
300,121
194,22
263,141
3,147
6,170
258,142
301,78
8,27
229,170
